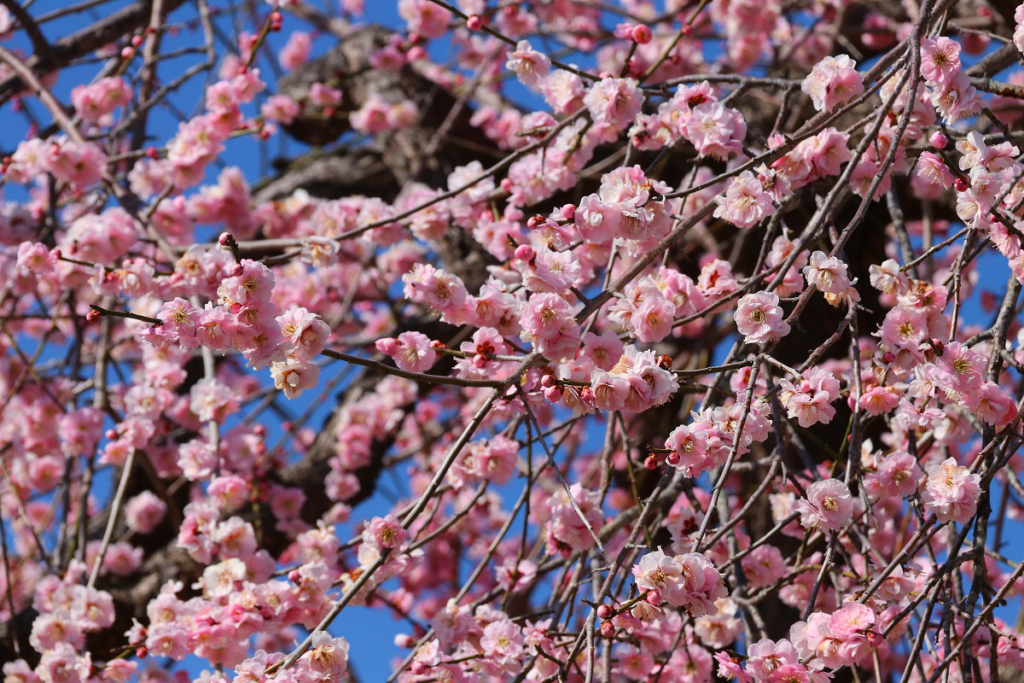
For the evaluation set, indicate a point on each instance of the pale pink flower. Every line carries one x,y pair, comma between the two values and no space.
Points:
951,492
827,274
424,17
95,100
896,475
940,59
327,658
548,322
715,130
296,51
613,103
144,512
932,169
527,64
691,447
294,376
828,506
385,532
993,405
745,203
766,656
833,82
759,318
412,351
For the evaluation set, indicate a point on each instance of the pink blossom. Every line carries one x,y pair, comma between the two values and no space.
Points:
745,203
951,492
294,376
549,322
828,506
528,65
412,351
940,59
144,512
827,274
759,318
833,82
296,51
425,17
96,100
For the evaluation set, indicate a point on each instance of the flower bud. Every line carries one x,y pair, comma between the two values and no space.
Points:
607,629
642,34
474,23
605,612
938,140
524,252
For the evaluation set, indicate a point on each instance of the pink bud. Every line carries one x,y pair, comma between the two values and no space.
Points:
506,184
568,211
524,252
388,346
650,462
111,434
642,34
961,184
605,612
126,52
607,629
92,316
294,576
874,638
938,140
553,394
654,598
673,458
474,23
416,54
225,239
237,270
136,41
548,381
479,361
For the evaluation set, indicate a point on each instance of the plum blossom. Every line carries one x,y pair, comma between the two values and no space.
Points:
951,492
833,82
828,506
528,65
759,318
